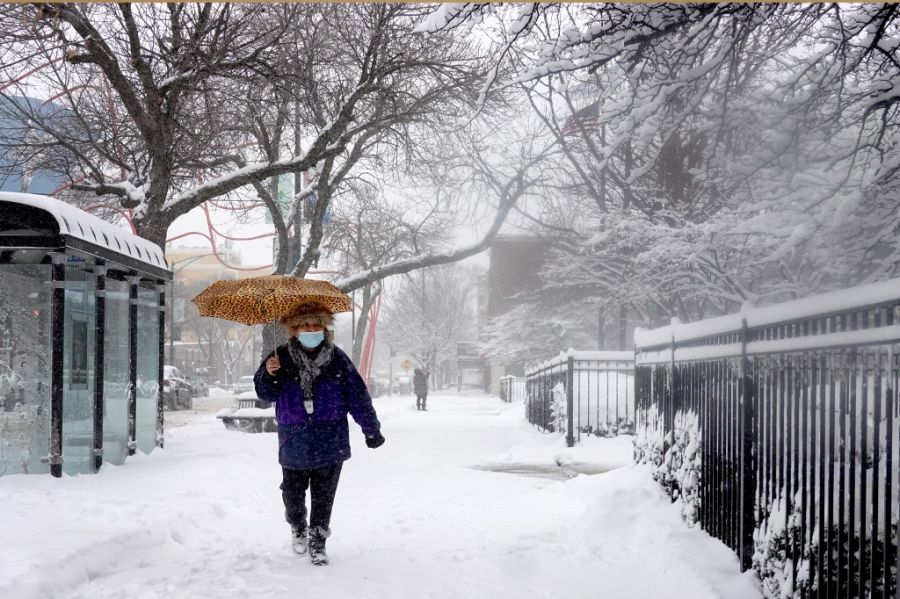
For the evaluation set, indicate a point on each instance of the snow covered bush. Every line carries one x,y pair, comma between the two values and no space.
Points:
772,561
779,531
679,472
674,456
559,407
688,475
770,550
847,586
622,426
649,446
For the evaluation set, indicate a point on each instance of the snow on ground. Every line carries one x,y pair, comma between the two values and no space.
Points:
441,510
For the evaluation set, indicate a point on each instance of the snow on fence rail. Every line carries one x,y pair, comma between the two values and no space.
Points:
582,392
777,429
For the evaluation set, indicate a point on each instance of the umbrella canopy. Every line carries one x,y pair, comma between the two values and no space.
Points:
259,300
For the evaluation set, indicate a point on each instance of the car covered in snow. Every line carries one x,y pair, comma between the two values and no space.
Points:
199,386
177,392
249,414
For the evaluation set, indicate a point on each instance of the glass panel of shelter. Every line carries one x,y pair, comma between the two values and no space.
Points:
25,364
116,372
24,367
79,330
148,317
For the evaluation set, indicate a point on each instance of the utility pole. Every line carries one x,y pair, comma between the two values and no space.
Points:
297,246
390,370
172,322
353,320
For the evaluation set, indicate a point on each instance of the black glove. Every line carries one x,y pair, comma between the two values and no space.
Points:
376,440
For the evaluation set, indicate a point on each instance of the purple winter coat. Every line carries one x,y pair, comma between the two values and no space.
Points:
322,439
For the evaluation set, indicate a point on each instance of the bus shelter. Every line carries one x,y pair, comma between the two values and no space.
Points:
81,339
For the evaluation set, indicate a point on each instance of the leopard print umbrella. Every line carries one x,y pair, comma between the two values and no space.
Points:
259,300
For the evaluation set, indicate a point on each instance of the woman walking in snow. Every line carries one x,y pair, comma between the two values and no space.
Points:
314,386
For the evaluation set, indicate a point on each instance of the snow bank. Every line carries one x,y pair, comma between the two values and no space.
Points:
417,517
593,455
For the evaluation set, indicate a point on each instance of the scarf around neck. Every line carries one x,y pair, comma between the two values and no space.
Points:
310,368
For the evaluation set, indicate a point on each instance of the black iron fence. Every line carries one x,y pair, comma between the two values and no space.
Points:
512,388
777,428
582,392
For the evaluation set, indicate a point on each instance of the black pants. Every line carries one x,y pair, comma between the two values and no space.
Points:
322,484
421,398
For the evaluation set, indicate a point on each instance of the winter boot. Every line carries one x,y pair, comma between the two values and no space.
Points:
317,554
299,540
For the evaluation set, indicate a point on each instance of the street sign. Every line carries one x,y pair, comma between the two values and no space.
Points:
406,365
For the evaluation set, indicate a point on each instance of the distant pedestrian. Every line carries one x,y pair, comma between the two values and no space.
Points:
420,387
314,386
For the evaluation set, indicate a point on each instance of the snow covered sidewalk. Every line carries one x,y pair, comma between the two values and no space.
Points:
433,513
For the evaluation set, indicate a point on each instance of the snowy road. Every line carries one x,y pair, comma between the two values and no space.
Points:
423,516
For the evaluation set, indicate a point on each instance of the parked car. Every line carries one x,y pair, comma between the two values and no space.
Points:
177,392
402,385
378,386
249,414
244,384
201,389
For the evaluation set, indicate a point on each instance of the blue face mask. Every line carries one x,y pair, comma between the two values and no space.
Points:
311,339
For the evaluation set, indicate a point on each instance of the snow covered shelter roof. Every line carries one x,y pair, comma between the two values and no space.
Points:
78,224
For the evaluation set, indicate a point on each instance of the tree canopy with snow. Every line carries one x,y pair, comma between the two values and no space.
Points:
163,108
710,154
430,313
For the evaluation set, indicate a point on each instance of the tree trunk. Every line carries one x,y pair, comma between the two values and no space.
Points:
623,327
601,340
432,368
363,321
153,228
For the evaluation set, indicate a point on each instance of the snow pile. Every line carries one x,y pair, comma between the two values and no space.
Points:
417,517
592,455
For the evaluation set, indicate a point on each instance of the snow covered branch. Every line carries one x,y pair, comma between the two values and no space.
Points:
510,192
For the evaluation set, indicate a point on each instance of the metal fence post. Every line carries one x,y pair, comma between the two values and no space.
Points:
160,412
748,451
637,396
669,413
99,359
57,348
570,416
133,281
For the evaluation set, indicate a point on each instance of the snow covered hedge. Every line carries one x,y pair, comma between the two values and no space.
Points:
675,457
780,531
771,558
648,445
